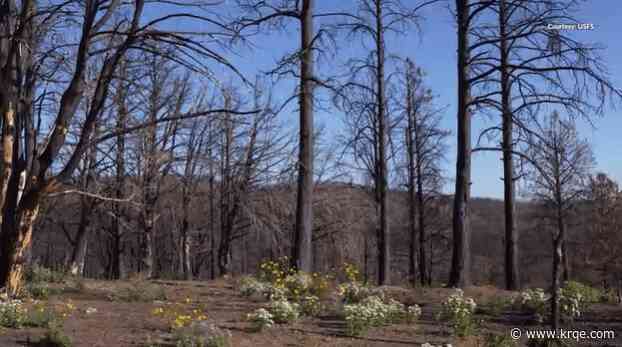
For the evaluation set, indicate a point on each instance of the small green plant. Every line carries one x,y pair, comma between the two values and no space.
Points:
249,286
570,304
533,301
261,319
42,316
298,285
351,272
412,313
284,311
139,291
458,310
310,305
202,334
320,285
13,314
39,274
275,271
588,295
373,311
54,337
75,285
38,291
353,292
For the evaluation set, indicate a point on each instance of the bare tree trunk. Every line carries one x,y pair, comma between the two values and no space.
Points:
303,230
366,258
460,264
423,271
146,248
78,254
512,280
185,248
557,262
8,139
212,223
16,239
226,194
117,258
566,261
384,257
412,193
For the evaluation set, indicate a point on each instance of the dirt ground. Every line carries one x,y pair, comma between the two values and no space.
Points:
117,323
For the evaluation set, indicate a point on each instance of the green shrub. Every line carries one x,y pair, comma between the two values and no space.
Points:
75,285
534,301
373,311
202,334
310,305
458,310
587,294
249,286
42,316
570,304
54,337
13,314
275,271
284,311
39,274
139,292
260,319
354,292
298,285
412,313
38,290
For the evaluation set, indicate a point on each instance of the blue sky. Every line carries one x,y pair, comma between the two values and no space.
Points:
434,49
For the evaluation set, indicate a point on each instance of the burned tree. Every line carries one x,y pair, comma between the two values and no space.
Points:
372,21
519,68
29,46
424,147
262,13
560,165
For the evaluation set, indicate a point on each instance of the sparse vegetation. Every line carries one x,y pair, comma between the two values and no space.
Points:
13,314
533,301
261,319
139,291
374,312
54,337
458,311
202,334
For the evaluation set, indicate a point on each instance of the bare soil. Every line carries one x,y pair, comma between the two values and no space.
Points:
132,323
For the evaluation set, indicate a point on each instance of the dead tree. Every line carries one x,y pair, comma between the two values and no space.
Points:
424,146
248,149
262,13
29,33
518,67
561,162
87,207
165,95
602,241
459,276
195,142
372,21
